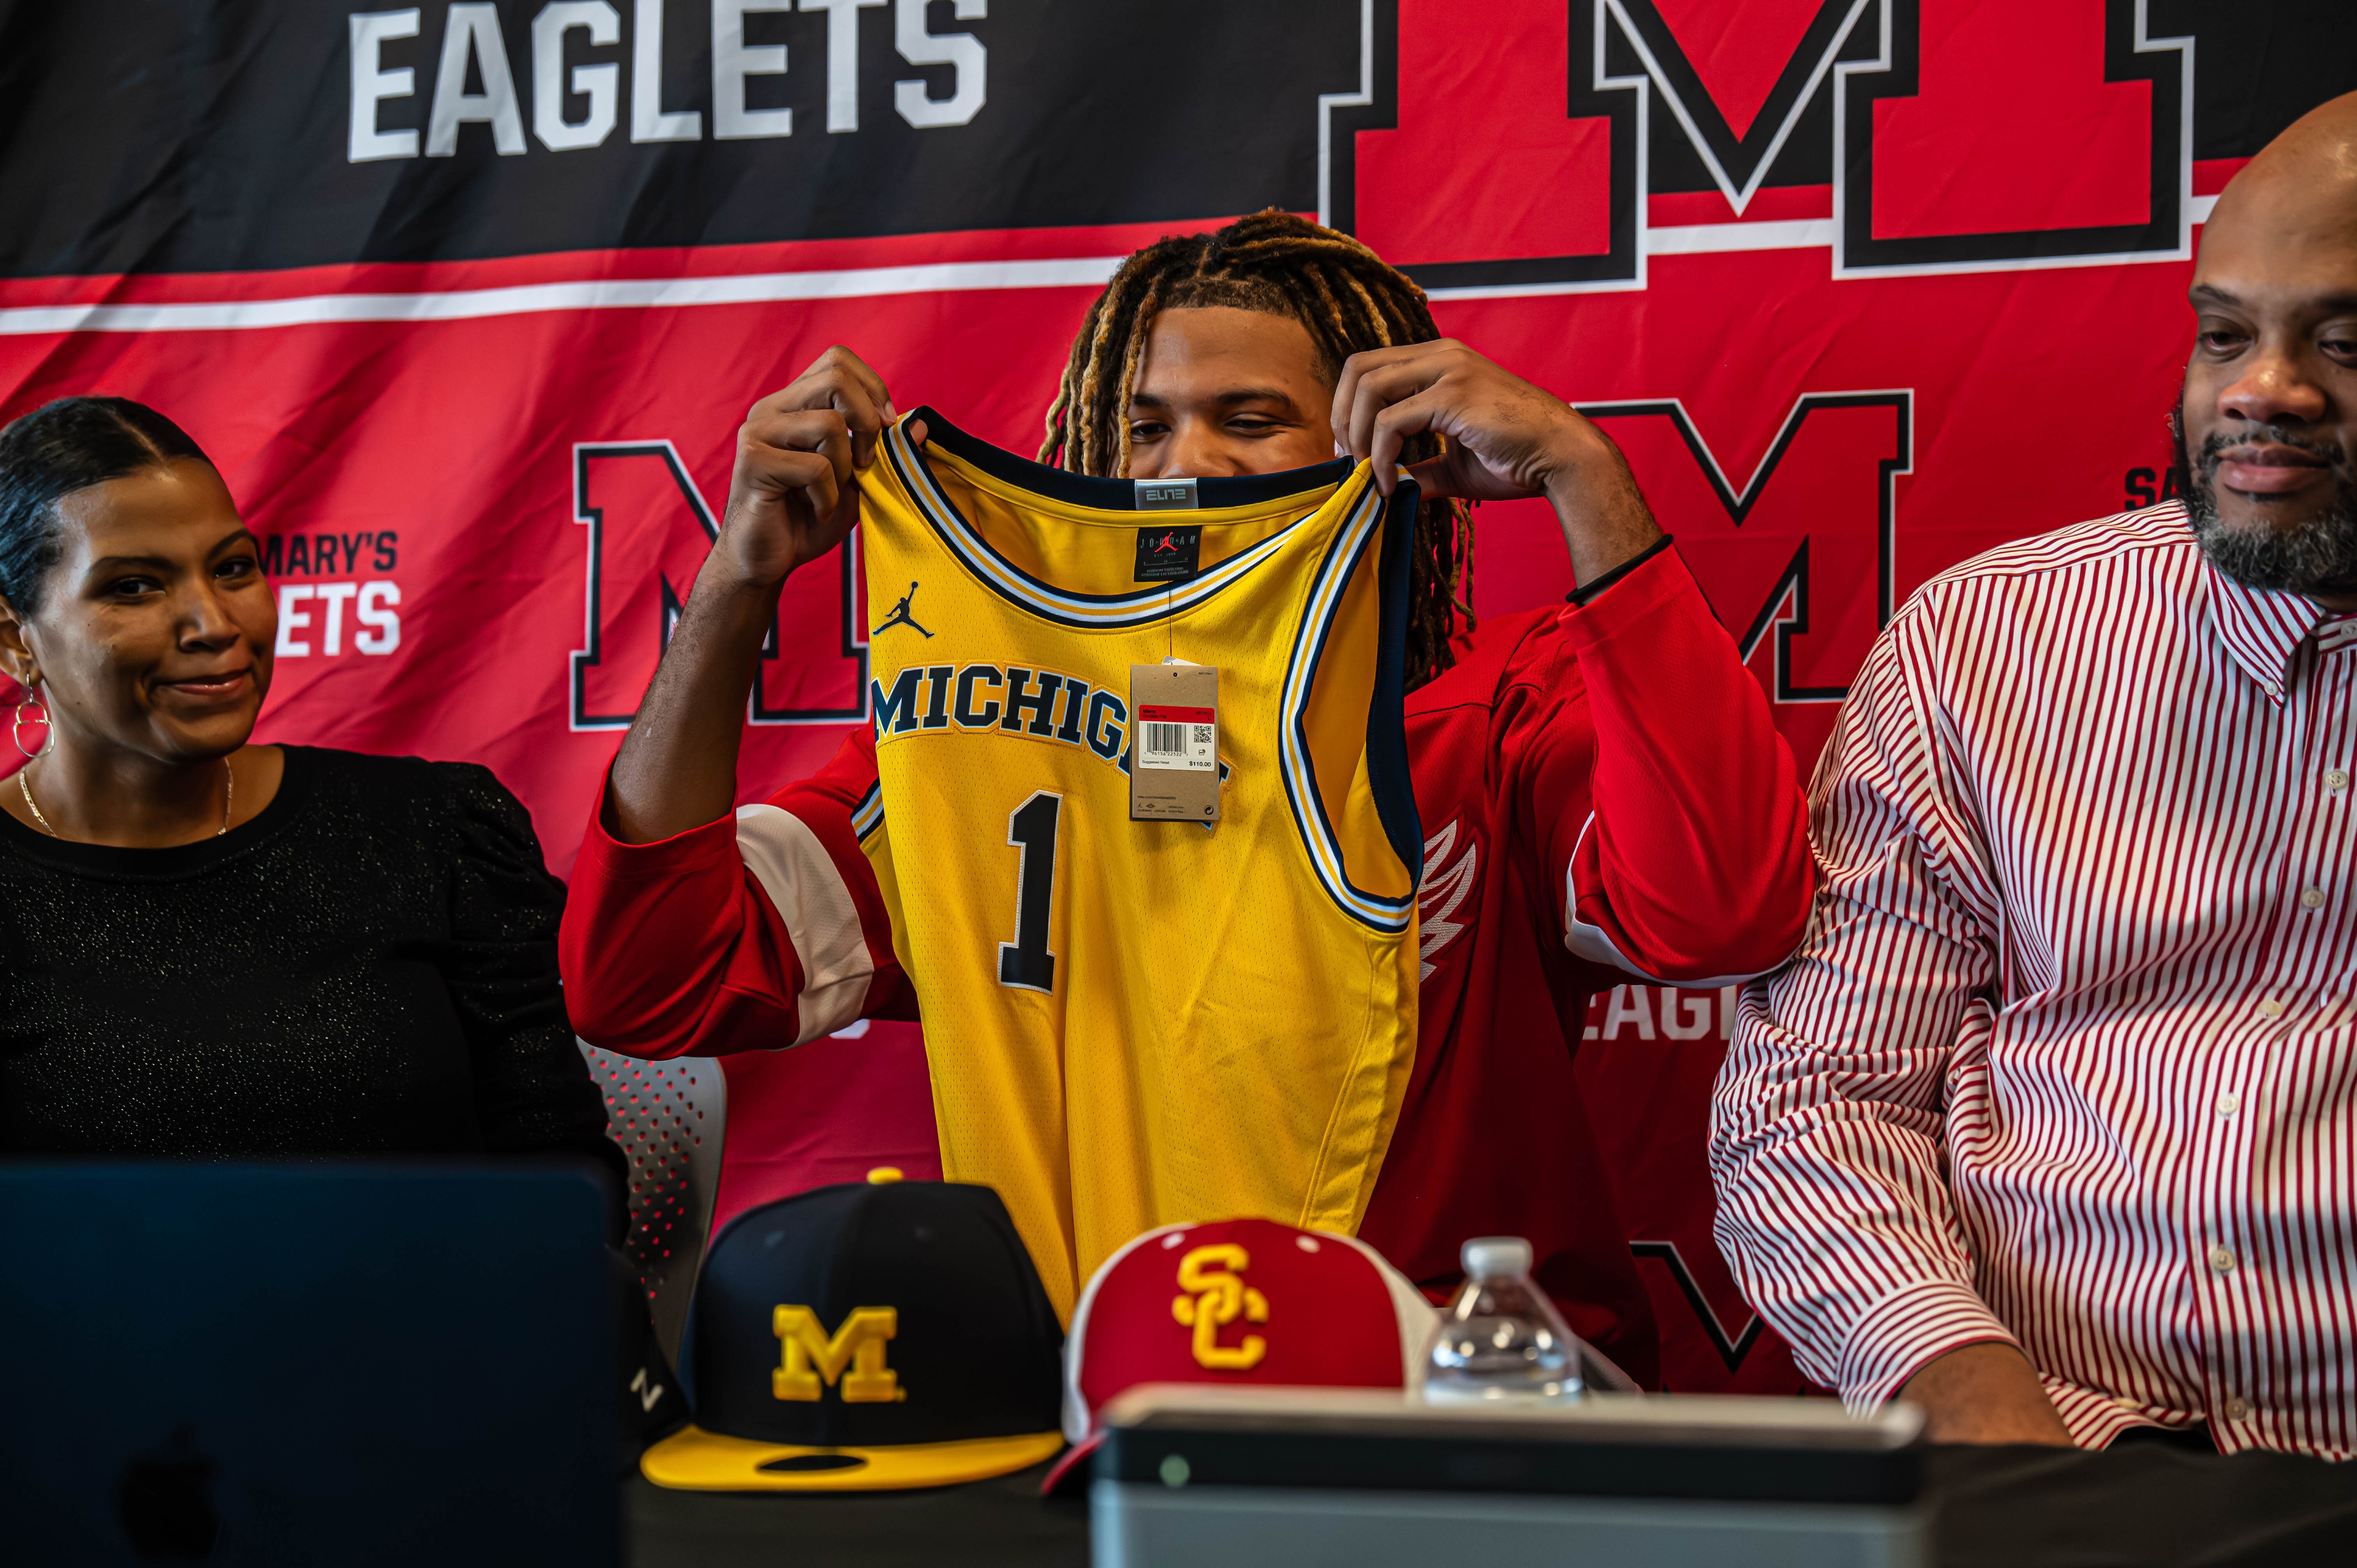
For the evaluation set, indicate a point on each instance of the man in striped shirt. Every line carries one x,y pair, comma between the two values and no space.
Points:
2051,1127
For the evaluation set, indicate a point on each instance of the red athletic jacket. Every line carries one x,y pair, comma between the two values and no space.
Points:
1602,795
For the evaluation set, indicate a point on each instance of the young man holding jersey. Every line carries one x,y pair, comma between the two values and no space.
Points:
1601,791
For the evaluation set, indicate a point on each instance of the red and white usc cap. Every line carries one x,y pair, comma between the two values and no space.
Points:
1237,1301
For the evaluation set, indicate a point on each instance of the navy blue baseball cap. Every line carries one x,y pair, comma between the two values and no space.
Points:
866,1338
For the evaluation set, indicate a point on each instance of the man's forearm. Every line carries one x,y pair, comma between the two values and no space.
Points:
1604,516
1986,1393
677,767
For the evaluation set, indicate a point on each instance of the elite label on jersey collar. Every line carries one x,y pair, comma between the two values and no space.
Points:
1165,495
1167,555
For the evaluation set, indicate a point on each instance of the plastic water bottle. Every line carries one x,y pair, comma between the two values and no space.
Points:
1500,1338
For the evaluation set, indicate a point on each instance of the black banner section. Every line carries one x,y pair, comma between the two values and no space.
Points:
179,136
202,136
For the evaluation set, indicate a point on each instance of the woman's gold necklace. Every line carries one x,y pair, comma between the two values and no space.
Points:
228,798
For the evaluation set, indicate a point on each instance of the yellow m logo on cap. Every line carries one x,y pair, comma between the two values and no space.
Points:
809,1354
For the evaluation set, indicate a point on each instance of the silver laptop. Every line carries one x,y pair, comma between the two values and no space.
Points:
1368,1478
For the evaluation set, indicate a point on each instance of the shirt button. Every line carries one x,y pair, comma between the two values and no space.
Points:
2270,1008
2337,778
2229,1102
2238,1409
2222,1259
2311,898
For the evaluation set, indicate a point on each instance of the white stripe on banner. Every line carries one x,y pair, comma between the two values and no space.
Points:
606,293
765,288
1794,235
1703,239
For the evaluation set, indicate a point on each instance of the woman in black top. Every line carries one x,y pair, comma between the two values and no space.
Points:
214,949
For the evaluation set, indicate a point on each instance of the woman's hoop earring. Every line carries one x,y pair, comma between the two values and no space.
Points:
19,723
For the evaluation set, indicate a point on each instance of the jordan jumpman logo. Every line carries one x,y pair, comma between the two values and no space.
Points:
901,616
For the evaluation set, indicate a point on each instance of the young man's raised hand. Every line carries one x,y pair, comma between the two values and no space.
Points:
1503,438
791,501
789,497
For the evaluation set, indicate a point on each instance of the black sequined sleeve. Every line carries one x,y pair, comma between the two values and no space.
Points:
533,1092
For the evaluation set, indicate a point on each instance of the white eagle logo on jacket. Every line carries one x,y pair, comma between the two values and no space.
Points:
1444,887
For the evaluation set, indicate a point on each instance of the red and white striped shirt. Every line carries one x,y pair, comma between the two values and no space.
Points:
2067,1058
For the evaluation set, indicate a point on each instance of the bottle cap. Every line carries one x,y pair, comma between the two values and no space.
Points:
1489,1257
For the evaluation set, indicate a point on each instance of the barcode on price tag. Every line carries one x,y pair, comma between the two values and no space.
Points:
1179,739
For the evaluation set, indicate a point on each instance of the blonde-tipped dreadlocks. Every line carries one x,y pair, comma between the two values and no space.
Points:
1284,266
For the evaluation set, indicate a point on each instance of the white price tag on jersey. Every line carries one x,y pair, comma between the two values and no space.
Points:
1174,772
1176,737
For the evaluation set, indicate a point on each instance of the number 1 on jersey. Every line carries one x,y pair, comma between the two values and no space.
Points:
1031,828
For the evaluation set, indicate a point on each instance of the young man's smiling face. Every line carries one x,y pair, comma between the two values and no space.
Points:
1225,392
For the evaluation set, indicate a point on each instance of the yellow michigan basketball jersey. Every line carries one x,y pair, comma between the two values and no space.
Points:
1130,1023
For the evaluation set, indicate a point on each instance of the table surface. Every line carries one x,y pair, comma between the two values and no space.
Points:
2137,1507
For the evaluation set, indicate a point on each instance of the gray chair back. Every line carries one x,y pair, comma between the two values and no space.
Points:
668,1117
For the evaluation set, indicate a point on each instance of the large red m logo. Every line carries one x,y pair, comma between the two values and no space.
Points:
1798,560
1515,148
649,532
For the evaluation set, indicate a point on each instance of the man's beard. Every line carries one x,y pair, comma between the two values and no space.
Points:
2319,557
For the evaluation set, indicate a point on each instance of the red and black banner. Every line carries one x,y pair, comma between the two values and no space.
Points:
467,299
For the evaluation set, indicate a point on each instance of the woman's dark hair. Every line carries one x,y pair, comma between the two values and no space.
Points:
57,449
1280,264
